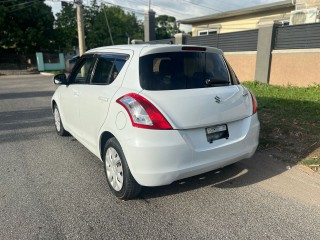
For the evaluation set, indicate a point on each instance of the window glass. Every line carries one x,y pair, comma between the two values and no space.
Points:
83,71
183,70
102,73
201,33
118,65
208,32
107,69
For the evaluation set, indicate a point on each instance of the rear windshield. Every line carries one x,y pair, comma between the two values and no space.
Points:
183,70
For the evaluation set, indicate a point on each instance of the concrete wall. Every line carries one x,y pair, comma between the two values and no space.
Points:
288,67
43,66
243,63
295,67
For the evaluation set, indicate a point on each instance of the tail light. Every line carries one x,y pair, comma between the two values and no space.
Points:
143,114
254,103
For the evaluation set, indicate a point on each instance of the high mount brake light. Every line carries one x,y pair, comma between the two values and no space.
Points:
200,49
143,114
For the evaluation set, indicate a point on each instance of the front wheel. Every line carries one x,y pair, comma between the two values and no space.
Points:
119,177
58,123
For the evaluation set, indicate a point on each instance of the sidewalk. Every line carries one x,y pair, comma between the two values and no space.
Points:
17,72
25,76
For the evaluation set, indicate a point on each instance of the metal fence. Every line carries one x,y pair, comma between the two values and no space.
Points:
51,58
229,42
207,40
302,36
13,63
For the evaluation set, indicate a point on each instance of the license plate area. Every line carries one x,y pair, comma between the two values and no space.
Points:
217,132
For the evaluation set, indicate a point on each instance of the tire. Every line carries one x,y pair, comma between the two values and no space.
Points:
119,178
58,123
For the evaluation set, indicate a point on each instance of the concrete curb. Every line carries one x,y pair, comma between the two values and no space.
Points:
46,74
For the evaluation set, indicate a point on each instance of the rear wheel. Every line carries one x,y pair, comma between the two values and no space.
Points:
58,123
119,177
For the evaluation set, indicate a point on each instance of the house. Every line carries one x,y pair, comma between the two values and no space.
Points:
249,18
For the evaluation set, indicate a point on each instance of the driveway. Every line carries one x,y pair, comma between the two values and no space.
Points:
53,188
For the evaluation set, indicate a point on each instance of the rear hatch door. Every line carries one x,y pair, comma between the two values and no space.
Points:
193,108
193,88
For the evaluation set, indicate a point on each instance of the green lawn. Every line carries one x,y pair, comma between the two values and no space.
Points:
290,121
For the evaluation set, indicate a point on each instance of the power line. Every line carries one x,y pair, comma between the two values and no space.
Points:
4,1
25,5
126,8
105,15
203,6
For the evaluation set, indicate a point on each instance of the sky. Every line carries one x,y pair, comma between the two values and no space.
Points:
180,9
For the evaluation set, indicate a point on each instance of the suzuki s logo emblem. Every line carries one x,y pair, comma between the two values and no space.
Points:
218,100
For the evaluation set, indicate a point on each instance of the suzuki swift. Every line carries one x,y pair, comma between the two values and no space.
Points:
155,114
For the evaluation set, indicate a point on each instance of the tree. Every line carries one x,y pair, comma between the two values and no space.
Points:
26,26
121,25
66,28
166,27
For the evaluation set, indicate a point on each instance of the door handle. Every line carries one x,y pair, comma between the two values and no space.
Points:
104,99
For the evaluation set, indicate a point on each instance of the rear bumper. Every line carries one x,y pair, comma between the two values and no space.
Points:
161,157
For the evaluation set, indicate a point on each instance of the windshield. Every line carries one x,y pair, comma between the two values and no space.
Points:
183,70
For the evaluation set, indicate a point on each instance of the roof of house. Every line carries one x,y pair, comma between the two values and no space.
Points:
239,12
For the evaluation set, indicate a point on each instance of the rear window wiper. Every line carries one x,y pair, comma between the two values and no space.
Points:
210,82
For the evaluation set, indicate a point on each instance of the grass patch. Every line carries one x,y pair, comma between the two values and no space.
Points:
290,120
312,161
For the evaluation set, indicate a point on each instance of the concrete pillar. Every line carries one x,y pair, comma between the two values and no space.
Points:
62,61
40,62
149,25
264,49
181,38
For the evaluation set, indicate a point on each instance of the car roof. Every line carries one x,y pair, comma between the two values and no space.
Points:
144,49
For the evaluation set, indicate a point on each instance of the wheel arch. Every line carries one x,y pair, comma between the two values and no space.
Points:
105,136
53,103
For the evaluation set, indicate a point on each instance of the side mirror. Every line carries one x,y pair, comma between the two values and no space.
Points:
60,79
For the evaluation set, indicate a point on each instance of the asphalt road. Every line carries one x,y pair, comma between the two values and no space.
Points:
51,187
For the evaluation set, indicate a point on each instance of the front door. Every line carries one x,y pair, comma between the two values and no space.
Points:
71,94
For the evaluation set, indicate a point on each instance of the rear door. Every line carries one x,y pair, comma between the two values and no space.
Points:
95,100
193,88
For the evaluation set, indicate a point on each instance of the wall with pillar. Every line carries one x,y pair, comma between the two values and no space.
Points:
243,64
295,67
278,55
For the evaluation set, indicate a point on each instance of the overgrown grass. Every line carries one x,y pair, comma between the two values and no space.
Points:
290,120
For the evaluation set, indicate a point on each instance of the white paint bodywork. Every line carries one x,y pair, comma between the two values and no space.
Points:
159,157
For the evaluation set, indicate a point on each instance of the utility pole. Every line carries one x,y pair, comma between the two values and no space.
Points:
80,27
149,24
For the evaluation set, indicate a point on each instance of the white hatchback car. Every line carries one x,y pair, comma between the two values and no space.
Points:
156,113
